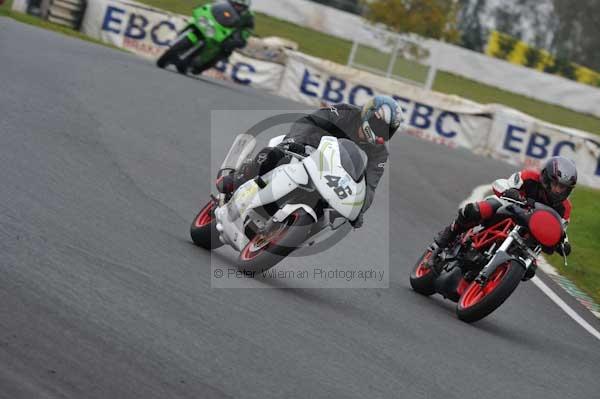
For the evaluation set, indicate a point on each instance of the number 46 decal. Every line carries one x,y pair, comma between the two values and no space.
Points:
341,192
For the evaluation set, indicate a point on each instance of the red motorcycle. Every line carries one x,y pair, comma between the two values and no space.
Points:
483,266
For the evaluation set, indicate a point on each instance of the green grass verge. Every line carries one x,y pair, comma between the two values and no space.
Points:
337,50
584,234
584,268
5,10
584,263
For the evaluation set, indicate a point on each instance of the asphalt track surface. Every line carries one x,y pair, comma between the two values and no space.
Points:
103,163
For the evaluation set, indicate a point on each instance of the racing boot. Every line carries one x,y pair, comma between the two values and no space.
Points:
442,240
468,216
446,236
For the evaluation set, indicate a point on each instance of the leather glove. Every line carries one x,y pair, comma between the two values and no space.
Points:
567,249
234,41
295,147
358,222
513,194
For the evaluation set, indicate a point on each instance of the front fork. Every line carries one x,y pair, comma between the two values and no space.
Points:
502,256
191,32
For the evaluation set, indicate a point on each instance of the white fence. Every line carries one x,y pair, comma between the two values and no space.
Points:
479,67
493,130
20,5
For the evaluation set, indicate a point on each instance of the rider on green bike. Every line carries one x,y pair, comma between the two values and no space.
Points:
243,29
211,35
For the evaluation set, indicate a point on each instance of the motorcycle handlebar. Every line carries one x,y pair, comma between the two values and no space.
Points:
514,201
294,154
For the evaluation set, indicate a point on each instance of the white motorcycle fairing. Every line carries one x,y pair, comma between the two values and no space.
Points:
335,185
279,182
329,178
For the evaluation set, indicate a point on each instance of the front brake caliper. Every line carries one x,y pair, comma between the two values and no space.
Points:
481,280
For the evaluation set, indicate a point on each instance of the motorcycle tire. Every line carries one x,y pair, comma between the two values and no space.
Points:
171,56
184,65
422,279
204,228
259,256
478,301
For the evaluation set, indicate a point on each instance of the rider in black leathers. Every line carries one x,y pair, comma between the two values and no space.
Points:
369,126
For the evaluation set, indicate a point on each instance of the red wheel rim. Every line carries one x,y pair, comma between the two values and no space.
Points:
422,269
262,242
205,217
475,292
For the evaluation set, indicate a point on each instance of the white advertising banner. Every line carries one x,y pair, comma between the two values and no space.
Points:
19,5
148,32
449,120
249,71
436,117
470,64
141,30
516,78
522,140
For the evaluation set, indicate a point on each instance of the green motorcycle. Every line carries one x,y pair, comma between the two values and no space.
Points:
200,41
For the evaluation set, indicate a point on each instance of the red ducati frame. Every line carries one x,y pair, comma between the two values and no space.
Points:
481,240
494,233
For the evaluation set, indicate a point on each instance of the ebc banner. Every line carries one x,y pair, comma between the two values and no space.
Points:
436,117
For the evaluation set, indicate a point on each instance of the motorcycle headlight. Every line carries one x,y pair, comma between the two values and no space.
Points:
546,228
203,22
206,27
209,31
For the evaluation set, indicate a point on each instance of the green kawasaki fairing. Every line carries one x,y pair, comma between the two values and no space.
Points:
202,38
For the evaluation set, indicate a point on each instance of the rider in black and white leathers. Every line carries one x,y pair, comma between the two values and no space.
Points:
369,127
342,121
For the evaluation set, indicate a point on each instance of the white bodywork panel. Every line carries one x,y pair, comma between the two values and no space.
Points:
288,209
324,167
280,181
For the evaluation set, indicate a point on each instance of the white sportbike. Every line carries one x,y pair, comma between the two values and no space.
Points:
290,207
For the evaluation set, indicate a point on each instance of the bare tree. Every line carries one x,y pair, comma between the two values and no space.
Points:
472,32
577,36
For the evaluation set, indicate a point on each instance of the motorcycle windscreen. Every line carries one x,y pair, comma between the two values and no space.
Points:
242,147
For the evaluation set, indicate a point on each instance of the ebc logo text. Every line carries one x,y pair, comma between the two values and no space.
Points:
138,27
421,116
538,146
535,145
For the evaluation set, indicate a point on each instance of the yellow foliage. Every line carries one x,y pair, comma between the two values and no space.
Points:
429,18
517,54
